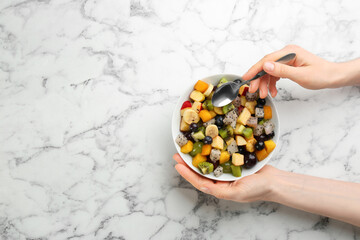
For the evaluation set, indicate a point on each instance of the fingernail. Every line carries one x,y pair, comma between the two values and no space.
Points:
268,66
205,190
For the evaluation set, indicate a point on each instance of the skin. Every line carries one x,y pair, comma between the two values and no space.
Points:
336,199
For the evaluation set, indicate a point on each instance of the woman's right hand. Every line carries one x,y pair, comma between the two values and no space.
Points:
306,69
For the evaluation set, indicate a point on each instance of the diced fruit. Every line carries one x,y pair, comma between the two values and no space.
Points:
210,122
206,149
269,127
222,81
270,136
226,167
188,136
205,115
243,101
267,112
218,171
244,116
230,131
198,159
251,106
236,171
259,145
206,167
218,142
183,110
259,112
181,140
269,146
212,113
198,136
259,130
228,108
218,110
194,127
224,157
190,116
243,89
239,128
225,146
201,86
188,147
208,105
252,96
215,155
230,118
184,126
210,96
252,122
197,148
229,140
212,131
261,155
201,128
250,145
186,104
236,102
247,132
197,107
262,122
232,147
249,160
219,121
242,149
237,159
223,133
240,141
197,96
208,140
209,90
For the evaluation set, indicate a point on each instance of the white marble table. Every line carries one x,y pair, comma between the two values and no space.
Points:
87,90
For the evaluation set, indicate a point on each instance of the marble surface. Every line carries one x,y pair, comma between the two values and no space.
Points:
87,90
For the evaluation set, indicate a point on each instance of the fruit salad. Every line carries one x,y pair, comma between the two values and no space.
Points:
225,139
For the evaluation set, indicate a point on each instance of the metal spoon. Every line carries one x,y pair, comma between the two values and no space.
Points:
227,92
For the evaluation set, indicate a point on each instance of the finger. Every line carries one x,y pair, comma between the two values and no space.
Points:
272,86
178,159
254,85
285,71
219,189
264,86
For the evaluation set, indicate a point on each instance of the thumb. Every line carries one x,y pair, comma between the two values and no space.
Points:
282,70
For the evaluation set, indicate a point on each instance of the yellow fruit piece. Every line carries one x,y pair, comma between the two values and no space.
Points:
197,96
250,144
196,106
267,112
243,101
240,141
269,146
218,143
209,90
224,157
229,140
261,155
183,110
206,150
251,106
198,159
201,86
244,116
237,159
212,113
242,89
205,115
184,126
188,147
218,110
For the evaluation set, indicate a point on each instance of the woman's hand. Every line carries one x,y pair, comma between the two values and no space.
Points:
251,188
306,69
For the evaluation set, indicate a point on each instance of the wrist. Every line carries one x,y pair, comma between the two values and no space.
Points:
345,74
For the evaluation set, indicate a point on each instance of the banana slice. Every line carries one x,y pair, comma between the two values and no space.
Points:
212,131
209,90
190,116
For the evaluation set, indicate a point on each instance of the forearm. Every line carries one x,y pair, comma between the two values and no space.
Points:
347,73
336,199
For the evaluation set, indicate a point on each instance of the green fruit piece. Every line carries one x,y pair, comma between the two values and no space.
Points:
210,96
204,105
202,129
206,167
230,131
247,132
261,122
209,105
236,170
222,81
223,132
199,135
197,148
225,146
226,167
228,108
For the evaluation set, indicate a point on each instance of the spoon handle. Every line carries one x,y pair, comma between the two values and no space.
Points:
283,59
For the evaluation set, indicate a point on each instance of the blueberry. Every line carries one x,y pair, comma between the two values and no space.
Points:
261,101
242,149
250,160
219,121
260,119
207,140
259,146
188,136
270,136
261,138
193,127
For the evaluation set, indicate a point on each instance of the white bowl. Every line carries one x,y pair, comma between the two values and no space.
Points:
176,118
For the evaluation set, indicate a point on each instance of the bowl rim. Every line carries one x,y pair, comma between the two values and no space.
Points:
175,129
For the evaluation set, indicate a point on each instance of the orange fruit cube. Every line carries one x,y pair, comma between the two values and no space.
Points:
201,86
267,112
206,150
198,159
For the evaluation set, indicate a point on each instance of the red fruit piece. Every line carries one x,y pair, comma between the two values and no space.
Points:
246,89
241,108
186,104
